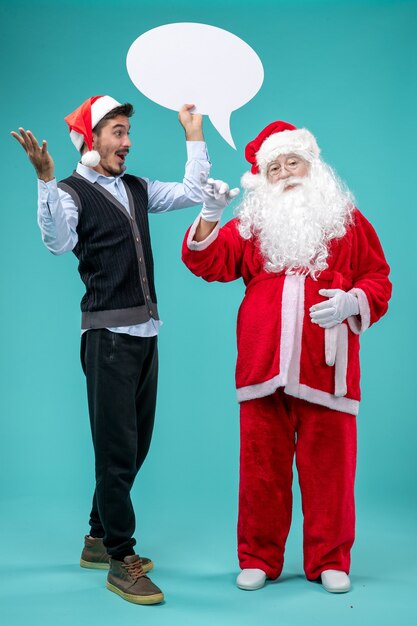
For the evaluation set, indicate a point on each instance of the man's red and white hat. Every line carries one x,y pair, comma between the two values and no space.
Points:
82,121
275,139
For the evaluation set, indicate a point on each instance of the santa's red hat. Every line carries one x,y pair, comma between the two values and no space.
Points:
82,121
275,139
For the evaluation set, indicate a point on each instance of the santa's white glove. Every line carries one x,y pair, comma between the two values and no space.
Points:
216,197
339,307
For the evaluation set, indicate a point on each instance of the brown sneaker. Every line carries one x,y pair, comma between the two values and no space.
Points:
94,555
128,580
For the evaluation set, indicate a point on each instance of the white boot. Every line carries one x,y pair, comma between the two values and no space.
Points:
335,581
251,579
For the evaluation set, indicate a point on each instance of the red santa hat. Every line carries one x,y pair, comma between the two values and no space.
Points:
83,120
275,139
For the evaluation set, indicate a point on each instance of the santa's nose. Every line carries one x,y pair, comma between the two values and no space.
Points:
284,174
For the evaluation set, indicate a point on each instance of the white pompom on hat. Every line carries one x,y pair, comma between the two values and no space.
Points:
83,120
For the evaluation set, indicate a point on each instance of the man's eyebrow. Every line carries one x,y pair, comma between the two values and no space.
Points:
121,126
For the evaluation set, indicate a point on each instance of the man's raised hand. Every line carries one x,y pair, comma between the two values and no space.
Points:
191,122
38,155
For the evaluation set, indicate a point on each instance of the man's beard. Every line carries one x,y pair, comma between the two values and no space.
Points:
294,226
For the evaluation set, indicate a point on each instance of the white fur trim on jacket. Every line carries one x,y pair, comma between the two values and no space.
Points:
201,245
359,324
300,141
345,405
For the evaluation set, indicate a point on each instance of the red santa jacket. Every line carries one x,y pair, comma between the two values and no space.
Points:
278,345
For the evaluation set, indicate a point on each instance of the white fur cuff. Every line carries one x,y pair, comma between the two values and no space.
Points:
197,246
359,324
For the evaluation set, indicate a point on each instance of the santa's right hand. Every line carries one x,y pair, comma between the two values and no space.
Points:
216,197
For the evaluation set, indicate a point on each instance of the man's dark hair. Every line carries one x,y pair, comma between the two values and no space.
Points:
124,109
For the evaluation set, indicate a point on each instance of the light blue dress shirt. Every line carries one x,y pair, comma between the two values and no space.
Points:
58,214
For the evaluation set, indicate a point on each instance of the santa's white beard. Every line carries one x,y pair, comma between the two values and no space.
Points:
294,226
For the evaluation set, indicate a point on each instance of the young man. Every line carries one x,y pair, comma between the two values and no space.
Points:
316,278
101,214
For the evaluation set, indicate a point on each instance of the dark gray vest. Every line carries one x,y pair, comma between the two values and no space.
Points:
114,253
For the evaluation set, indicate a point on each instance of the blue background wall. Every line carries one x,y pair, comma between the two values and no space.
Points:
345,70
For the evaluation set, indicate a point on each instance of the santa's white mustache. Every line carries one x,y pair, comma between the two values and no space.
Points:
282,185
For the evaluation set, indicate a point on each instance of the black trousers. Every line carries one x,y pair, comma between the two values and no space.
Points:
121,372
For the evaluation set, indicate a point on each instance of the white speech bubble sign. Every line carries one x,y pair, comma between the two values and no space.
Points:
187,62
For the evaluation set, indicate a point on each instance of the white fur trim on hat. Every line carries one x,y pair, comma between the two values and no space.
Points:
77,139
300,141
101,107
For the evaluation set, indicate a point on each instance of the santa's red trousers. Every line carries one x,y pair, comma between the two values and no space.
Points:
273,429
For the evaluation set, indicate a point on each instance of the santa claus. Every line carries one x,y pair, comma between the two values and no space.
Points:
316,278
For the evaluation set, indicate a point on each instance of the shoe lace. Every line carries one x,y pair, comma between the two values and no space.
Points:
135,569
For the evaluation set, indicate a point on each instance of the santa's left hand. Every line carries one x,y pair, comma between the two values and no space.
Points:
332,312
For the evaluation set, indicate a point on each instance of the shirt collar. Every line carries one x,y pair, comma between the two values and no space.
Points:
93,176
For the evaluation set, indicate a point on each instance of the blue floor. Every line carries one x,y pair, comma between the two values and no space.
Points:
195,565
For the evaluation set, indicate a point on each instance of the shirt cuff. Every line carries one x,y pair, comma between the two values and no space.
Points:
197,150
48,191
